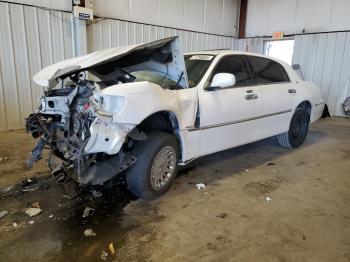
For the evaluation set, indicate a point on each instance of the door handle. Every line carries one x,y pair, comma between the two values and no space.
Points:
251,97
292,91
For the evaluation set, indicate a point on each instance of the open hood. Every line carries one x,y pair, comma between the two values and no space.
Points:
164,56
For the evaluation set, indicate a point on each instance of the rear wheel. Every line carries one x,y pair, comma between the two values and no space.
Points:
298,129
156,166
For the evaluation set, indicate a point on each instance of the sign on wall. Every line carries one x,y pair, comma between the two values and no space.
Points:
83,13
278,35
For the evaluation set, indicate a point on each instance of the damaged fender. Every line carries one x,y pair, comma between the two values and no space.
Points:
107,137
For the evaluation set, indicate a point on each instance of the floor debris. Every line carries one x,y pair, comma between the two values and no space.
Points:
14,224
36,204
89,233
30,184
3,213
111,248
3,158
268,199
104,255
271,164
32,211
31,222
96,194
222,215
59,175
88,211
245,170
200,186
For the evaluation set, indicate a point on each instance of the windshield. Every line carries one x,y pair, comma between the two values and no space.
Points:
196,66
156,78
122,76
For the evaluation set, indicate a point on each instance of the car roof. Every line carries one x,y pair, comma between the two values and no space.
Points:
224,52
216,52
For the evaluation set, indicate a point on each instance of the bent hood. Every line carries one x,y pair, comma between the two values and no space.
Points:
164,56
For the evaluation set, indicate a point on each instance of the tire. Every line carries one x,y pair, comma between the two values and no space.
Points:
298,129
159,152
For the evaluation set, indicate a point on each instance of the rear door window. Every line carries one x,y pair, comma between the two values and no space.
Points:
266,71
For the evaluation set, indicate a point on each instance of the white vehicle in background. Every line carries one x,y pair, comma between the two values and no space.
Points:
150,109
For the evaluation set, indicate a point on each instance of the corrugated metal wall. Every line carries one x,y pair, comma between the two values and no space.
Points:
325,60
30,39
106,33
253,45
296,16
208,16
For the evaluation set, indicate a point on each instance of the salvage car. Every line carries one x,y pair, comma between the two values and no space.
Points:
143,110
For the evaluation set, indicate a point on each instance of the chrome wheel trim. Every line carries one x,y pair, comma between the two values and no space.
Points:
163,168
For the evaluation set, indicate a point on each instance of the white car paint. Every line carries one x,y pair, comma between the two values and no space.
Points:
48,77
227,119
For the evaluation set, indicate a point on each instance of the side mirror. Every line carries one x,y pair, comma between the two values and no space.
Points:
222,80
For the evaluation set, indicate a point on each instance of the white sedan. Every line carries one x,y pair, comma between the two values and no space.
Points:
148,109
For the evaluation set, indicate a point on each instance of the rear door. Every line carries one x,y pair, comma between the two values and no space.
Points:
228,116
278,95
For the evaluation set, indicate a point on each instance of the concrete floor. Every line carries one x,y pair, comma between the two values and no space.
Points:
308,218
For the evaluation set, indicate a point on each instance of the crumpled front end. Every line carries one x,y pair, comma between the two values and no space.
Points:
72,123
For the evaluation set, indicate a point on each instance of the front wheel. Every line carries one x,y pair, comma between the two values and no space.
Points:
298,129
156,165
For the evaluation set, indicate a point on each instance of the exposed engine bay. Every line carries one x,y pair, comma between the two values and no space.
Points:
62,124
75,120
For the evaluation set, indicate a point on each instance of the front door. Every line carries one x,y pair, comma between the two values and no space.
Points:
229,116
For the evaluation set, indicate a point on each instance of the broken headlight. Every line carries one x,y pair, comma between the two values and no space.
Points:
109,104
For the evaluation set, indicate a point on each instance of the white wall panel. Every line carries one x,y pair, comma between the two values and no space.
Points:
194,14
209,16
9,77
213,15
20,57
325,60
30,39
171,13
253,45
292,16
105,33
62,5
148,10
